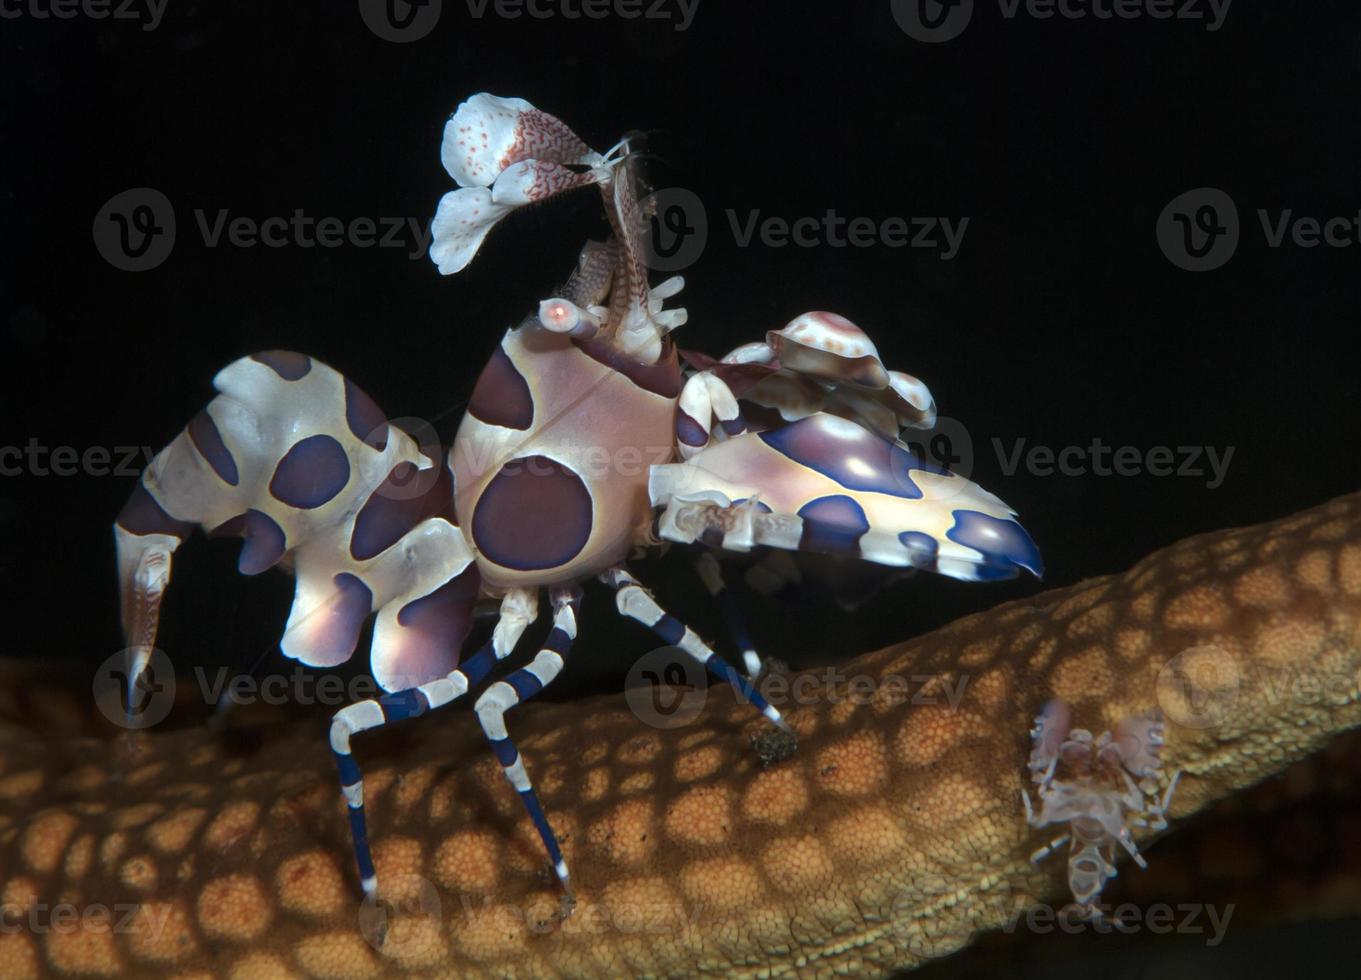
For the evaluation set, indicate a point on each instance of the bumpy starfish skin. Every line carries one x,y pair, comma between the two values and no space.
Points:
890,836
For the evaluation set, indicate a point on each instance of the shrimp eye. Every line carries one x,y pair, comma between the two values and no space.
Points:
559,315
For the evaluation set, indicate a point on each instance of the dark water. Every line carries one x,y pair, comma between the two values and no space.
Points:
1058,320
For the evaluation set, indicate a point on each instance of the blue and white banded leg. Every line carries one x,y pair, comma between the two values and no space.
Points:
517,687
519,608
711,574
637,603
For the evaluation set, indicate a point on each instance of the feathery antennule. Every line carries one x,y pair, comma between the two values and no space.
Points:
504,153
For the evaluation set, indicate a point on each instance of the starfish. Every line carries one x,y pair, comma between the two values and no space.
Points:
891,836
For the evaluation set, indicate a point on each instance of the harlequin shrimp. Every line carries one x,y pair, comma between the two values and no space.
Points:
1109,785
789,443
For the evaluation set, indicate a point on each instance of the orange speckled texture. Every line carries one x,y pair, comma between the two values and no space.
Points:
883,842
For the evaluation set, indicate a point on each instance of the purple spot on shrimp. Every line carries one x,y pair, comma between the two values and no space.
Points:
407,497
1004,544
833,524
328,635
842,451
662,377
431,631
733,427
922,547
501,395
264,544
207,440
287,364
535,514
143,514
688,430
1051,728
1139,742
365,419
311,473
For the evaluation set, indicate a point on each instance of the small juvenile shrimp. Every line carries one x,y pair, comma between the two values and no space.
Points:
1101,788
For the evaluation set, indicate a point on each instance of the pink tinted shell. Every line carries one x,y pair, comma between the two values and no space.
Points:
835,352
905,403
830,348
794,396
755,352
1051,729
910,400
488,133
1139,739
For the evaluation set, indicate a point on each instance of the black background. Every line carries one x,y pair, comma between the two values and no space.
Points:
1059,321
